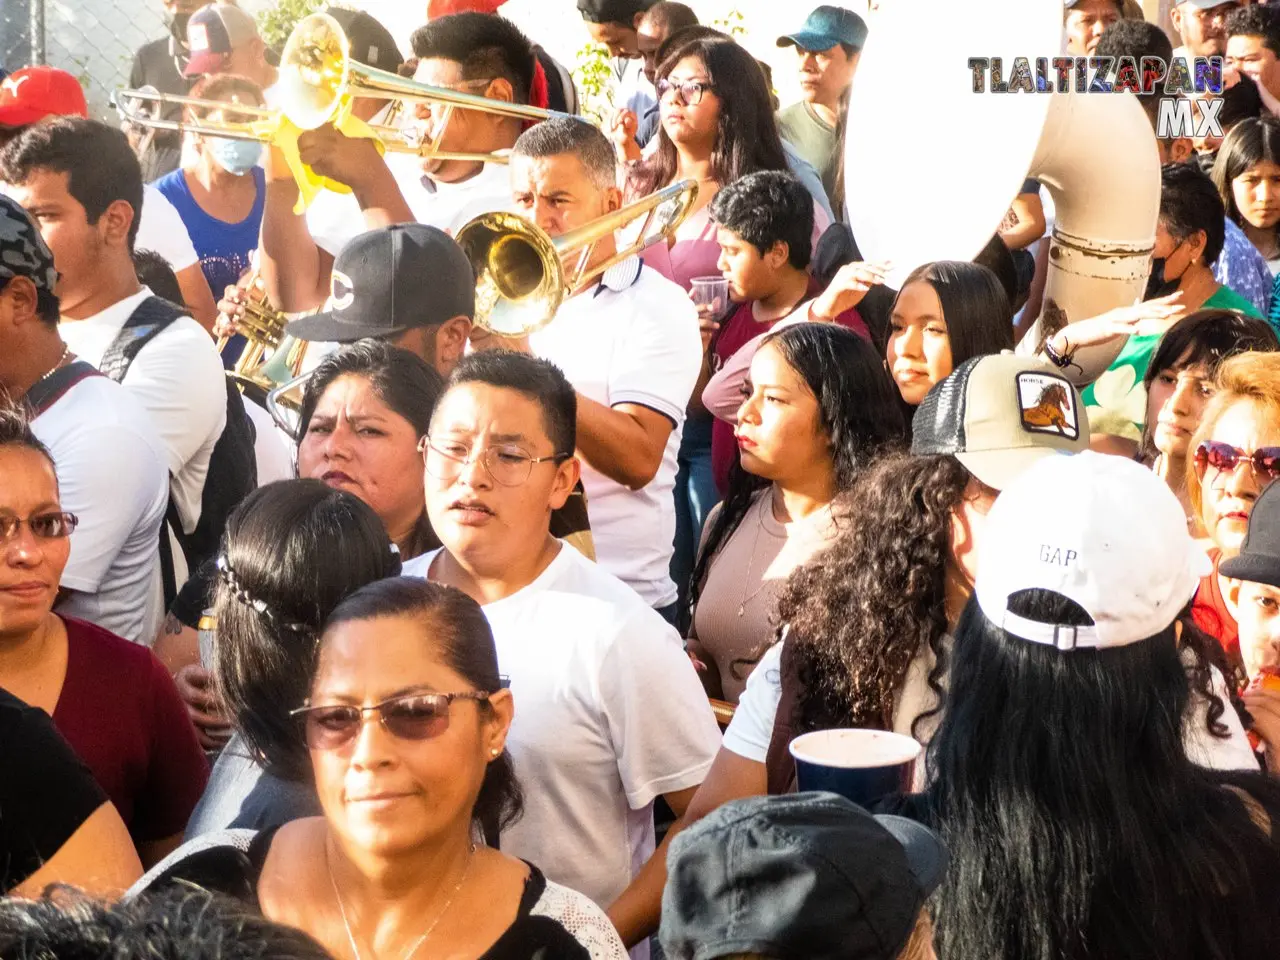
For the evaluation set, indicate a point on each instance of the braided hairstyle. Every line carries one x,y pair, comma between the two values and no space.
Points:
292,551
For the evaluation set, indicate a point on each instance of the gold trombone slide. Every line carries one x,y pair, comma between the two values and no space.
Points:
132,105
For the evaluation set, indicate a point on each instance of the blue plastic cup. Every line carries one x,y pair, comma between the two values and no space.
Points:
863,766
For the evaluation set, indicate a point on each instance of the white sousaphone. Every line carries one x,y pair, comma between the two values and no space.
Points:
932,167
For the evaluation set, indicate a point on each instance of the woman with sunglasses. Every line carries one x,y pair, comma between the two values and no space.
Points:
1236,453
1179,383
111,699
277,582
405,724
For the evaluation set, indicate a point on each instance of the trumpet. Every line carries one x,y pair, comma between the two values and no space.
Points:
270,357
521,278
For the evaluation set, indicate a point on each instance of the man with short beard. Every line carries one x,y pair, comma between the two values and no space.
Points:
1201,26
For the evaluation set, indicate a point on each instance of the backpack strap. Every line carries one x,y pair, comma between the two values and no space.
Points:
54,387
150,318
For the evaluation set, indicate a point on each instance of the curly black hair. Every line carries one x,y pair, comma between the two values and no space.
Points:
860,611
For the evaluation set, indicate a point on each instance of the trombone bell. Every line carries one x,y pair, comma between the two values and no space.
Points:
521,278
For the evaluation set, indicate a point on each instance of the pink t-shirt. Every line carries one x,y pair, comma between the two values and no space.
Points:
696,251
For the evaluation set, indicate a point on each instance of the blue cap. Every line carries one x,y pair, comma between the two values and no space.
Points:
826,27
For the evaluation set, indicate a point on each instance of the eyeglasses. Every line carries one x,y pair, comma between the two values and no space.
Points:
689,93
414,716
45,526
1224,458
507,464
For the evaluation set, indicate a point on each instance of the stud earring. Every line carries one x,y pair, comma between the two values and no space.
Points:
494,753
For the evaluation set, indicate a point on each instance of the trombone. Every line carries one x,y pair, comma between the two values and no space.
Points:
318,77
131,105
521,278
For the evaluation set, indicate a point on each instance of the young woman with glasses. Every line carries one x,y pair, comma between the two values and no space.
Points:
111,699
1235,454
405,725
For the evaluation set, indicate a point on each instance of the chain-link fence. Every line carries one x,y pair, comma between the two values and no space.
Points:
93,39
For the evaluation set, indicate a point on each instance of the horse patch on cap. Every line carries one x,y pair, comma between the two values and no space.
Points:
1047,404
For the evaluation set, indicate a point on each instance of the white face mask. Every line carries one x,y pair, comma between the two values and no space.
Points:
235,156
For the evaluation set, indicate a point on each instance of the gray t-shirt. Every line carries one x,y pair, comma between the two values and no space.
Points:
241,794
814,139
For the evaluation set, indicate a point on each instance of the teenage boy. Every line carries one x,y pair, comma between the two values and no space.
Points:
764,225
612,715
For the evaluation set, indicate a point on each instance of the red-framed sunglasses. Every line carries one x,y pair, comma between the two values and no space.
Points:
1224,458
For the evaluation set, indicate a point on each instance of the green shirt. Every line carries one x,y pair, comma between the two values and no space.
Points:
1117,401
813,138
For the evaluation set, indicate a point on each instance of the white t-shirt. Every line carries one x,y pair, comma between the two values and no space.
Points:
751,728
333,219
161,230
609,715
113,475
633,338
272,449
178,378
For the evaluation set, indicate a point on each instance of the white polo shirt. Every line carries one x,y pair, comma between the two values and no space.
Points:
113,475
632,338
161,230
609,715
179,380
333,219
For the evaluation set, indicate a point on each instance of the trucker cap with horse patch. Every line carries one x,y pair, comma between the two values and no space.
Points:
998,415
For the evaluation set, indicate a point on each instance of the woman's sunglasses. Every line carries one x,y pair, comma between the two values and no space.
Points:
413,716
1224,458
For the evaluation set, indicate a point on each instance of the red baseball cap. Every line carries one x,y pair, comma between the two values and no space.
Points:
213,33
33,93
444,8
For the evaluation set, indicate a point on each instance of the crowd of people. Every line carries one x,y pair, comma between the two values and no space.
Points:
392,632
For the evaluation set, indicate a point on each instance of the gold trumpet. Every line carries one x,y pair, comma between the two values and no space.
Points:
521,278
270,357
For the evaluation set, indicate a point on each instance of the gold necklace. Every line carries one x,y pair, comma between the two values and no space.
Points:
346,925
751,561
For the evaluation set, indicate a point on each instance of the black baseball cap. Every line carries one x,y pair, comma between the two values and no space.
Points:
371,42
1259,556
803,876
391,280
